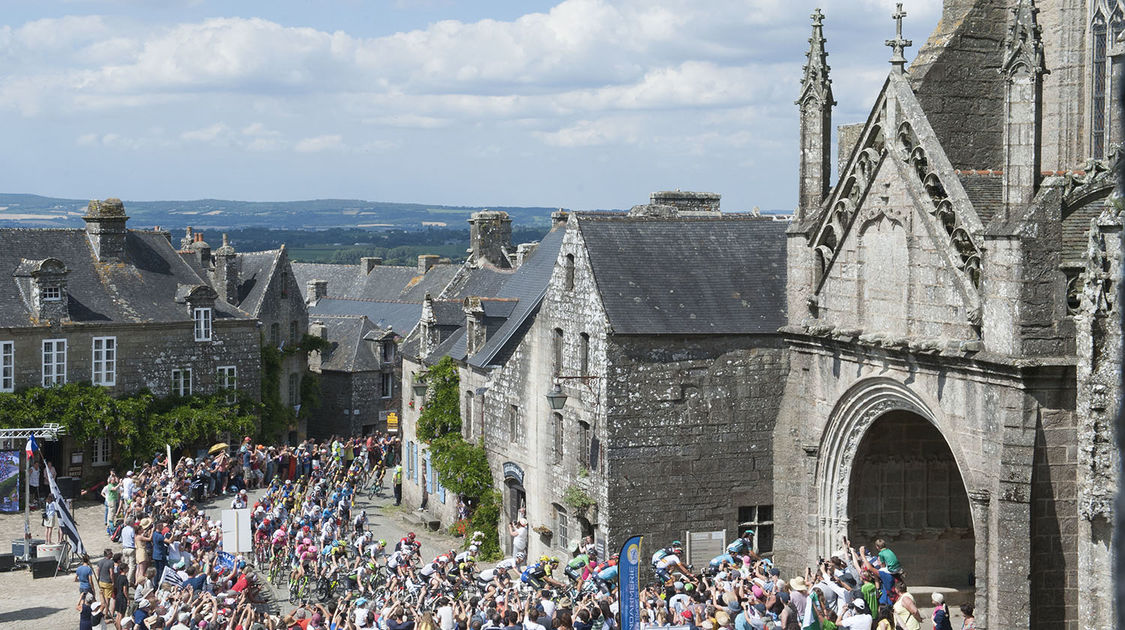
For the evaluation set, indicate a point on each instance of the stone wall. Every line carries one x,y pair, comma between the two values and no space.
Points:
993,415
956,77
690,432
343,394
146,355
282,305
890,276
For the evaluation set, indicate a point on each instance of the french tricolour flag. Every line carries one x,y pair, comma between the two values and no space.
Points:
32,447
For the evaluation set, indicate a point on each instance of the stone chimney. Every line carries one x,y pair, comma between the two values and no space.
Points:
201,250
476,334
224,276
490,237
688,204
187,240
105,228
426,261
317,329
428,333
367,263
315,290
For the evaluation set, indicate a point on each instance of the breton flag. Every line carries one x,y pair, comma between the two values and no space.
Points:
32,447
66,521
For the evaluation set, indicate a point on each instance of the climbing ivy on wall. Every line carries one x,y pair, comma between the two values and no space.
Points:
462,467
140,424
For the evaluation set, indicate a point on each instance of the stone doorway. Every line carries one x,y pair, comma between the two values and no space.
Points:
905,488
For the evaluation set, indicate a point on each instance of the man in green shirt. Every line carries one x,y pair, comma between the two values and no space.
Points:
887,557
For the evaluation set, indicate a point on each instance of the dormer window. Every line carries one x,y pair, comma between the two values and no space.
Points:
202,317
52,294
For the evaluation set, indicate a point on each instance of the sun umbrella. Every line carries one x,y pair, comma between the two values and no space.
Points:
221,446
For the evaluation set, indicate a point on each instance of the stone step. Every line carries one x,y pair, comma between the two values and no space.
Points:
954,597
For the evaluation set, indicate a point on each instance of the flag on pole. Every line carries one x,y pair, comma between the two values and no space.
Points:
66,521
809,619
32,447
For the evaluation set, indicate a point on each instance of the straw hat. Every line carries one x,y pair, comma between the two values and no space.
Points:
798,584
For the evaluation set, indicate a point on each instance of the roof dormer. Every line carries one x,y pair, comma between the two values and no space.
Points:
45,287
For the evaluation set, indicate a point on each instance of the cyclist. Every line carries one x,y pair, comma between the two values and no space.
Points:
409,542
606,577
669,563
578,568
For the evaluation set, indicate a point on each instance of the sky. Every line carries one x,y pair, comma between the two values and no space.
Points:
578,104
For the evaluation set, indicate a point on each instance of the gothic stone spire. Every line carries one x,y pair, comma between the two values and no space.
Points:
1024,50
816,104
898,44
816,83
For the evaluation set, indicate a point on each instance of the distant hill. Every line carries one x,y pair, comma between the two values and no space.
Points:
18,210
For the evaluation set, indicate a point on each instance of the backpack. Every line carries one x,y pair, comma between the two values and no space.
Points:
115,535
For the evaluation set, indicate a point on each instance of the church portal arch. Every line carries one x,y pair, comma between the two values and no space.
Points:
883,445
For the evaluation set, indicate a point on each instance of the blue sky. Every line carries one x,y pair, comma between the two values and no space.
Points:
577,104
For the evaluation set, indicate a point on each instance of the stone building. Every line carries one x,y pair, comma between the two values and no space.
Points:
363,311
952,320
119,308
264,285
659,328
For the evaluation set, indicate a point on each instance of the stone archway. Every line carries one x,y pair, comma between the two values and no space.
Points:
848,431
905,488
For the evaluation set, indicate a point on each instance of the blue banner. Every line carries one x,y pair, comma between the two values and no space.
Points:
629,583
225,561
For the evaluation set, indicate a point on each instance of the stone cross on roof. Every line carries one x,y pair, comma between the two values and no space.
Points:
898,44
816,84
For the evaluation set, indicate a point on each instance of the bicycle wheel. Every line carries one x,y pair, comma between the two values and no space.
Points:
294,591
323,589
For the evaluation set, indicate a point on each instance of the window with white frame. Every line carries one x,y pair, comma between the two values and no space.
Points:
7,366
52,294
104,370
562,527
387,388
181,382
100,448
760,519
228,381
202,318
388,352
54,362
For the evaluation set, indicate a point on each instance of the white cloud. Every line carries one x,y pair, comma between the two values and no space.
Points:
315,144
206,134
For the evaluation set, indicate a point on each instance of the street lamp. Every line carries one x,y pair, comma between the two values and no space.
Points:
556,398
420,385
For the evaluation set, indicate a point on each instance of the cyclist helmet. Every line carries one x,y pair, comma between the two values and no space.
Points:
521,556
544,559
410,536
615,556
554,560
381,543
473,548
307,541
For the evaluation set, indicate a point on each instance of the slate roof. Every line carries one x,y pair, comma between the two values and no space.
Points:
254,272
348,351
985,190
527,285
1076,229
384,282
397,315
143,290
690,276
339,277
